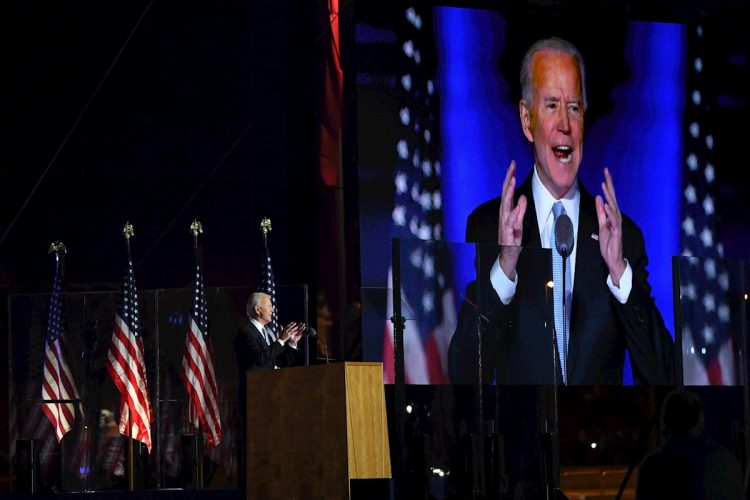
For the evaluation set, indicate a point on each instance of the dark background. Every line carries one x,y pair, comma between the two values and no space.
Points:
209,113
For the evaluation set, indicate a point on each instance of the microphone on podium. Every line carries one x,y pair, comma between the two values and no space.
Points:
564,241
313,334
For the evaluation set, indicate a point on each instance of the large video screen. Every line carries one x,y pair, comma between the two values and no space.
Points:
438,124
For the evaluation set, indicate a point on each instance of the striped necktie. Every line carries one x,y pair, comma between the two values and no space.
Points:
562,330
266,336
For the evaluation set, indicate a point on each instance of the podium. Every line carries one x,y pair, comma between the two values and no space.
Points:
312,429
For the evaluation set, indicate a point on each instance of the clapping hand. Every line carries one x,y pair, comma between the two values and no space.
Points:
292,332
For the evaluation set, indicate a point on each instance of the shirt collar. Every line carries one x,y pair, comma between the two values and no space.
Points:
543,202
258,325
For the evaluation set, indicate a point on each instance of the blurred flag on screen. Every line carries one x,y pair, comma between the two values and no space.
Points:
427,299
708,349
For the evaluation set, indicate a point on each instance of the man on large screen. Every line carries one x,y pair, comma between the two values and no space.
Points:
608,307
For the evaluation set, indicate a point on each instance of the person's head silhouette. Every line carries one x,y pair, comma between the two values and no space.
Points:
681,413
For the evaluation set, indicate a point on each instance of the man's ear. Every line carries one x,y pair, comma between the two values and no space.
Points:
525,114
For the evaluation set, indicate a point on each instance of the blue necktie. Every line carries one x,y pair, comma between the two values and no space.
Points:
266,336
563,331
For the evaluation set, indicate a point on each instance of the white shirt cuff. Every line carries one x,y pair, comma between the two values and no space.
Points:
504,287
626,284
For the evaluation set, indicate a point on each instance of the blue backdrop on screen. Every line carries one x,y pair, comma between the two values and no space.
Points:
640,140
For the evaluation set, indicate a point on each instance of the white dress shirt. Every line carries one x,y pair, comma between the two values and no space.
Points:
543,201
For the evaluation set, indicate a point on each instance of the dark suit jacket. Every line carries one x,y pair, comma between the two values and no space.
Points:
254,354
517,345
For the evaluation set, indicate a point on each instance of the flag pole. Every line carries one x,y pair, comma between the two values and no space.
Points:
127,232
196,228
58,248
265,227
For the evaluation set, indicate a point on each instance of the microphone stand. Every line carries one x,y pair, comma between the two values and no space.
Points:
564,242
564,320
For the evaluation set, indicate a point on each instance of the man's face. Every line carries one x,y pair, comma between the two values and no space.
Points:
553,121
265,310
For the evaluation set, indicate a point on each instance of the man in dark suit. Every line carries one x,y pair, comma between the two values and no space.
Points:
609,304
256,346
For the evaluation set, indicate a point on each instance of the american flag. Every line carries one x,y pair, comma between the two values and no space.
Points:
198,366
268,284
57,380
417,213
707,347
126,365
34,424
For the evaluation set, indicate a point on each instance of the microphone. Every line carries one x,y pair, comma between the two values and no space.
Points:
314,334
564,241
564,244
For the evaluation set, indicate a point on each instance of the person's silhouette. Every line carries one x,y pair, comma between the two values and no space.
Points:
688,464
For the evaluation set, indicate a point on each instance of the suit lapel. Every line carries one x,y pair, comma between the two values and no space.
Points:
258,336
585,282
530,225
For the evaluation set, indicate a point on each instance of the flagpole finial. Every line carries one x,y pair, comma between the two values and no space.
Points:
196,228
265,225
127,231
56,246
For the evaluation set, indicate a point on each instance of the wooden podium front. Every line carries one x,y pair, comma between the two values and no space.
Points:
312,429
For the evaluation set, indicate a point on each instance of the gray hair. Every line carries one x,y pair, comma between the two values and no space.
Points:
554,44
253,301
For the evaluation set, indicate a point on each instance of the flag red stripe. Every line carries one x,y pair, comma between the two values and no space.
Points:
198,376
55,388
127,369
57,384
127,381
127,354
205,355
197,388
435,372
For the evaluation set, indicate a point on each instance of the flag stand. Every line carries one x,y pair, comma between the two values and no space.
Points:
131,472
199,460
